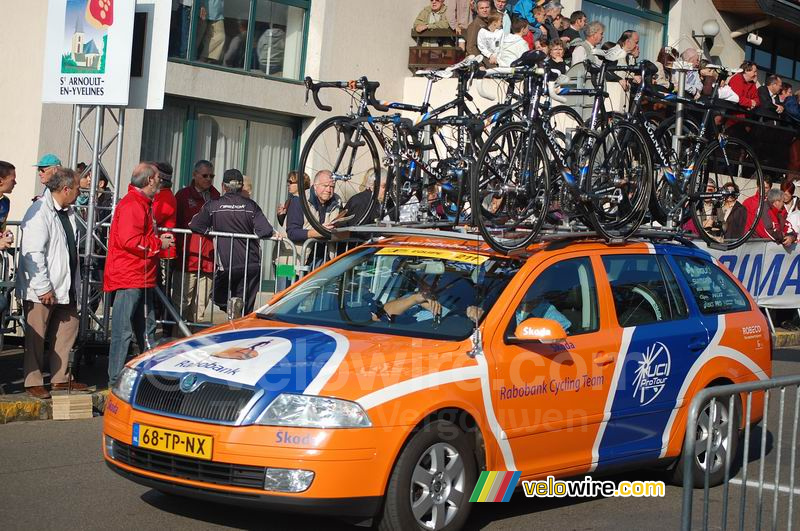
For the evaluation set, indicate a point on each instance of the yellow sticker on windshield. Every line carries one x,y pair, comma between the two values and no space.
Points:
456,256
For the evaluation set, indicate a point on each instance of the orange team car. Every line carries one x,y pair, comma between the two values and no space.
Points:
381,385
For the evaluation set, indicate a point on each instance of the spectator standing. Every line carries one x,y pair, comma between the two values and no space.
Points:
693,85
577,21
744,85
514,44
8,180
235,54
358,204
291,209
481,21
459,16
45,168
499,6
583,49
768,100
552,10
663,78
212,24
790,202
537,27
47,281
786,92
192,284
132,263
557,63
179,30
432,17
524,9
751,203
165,216
774,225
326,204
734,214
238,271
490,38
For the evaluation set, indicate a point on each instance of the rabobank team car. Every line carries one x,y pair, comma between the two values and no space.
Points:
381,385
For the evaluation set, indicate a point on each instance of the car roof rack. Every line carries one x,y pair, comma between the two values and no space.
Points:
555,237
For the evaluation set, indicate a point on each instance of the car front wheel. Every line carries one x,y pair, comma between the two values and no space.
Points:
431,483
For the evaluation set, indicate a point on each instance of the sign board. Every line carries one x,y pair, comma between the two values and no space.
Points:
768,271
151,45
88,52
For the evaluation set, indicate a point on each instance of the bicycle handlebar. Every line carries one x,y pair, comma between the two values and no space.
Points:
369,88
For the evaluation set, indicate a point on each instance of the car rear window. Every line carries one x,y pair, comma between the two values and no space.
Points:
644,289
713,290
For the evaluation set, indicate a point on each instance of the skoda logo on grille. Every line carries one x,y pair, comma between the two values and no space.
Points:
189,382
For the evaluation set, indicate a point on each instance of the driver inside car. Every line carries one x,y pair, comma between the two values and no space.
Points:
421,306
542,308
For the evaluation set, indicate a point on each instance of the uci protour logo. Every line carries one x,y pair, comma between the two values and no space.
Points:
652,373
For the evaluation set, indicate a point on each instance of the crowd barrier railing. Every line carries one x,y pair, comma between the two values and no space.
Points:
713,421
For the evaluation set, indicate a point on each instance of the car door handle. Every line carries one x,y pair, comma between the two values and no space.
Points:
601,358
697,345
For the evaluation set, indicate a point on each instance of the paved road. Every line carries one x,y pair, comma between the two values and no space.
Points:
52,476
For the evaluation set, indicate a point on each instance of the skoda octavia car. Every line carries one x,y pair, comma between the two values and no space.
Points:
381,385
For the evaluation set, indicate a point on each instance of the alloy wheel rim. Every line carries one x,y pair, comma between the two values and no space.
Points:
437,486
713,421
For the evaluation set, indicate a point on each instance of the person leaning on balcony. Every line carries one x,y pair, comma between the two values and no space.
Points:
48,281
583,49
131,266
195,261
774,225
432,17
483,7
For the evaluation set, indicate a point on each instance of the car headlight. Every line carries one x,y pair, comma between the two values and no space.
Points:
303,411
123,387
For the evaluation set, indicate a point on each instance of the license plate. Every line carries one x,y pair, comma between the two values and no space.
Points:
172,442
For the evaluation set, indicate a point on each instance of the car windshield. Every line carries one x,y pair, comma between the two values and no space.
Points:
412,291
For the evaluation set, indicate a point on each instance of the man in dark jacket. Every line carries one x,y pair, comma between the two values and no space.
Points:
238,272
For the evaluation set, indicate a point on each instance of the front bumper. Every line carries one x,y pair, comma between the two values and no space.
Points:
351,466
364,507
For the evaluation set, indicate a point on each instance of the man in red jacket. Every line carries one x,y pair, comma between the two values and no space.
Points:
192,284
751,203
744,85
773,225
131,265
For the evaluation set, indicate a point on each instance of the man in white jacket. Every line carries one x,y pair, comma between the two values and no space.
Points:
48,279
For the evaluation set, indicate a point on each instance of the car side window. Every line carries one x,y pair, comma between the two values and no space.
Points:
564,292
713,290
644,289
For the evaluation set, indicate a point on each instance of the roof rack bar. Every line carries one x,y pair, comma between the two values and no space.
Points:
546,235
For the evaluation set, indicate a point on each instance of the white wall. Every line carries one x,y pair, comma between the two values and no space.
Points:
22,43
686,16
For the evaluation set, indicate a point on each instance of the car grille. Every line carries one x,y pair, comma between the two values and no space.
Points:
210,401
190,468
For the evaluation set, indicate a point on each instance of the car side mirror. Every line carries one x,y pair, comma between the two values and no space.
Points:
536,329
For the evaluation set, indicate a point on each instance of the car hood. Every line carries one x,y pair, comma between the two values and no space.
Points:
309,360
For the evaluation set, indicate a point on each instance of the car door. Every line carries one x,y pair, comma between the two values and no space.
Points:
549,398
663,340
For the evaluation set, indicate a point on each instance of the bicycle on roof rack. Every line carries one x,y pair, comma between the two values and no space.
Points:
436,150
604,180
695,182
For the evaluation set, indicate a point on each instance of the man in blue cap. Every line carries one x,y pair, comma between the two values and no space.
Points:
45,168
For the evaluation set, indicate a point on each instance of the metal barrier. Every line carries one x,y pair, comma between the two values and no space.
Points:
198,279
314,253
711,436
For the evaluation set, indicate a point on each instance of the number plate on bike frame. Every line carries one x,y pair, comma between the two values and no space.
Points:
172,442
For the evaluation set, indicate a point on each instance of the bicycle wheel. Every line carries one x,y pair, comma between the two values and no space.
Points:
567,124
723,167
348,151
510,188
618,181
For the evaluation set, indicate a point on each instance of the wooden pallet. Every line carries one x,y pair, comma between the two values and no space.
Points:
72,406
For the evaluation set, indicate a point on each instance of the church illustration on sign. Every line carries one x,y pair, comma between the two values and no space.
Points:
85,50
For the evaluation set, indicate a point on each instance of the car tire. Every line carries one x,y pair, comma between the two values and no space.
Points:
432,481
720,445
